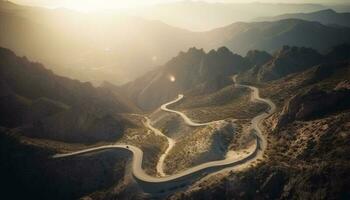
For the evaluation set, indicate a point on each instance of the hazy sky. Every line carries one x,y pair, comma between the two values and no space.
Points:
109,4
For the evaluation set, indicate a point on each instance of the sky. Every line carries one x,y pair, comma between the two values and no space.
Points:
112,4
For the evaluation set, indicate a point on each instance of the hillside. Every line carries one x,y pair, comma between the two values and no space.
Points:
56,107
327,17
307,137
29,169
193,71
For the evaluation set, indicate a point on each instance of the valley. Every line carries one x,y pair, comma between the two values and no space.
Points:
105,100
181,179
187,141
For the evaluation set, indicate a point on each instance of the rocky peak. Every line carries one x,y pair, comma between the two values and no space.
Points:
258,58
327,11
290,60
224,51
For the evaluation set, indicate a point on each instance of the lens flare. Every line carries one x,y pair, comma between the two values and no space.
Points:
172,78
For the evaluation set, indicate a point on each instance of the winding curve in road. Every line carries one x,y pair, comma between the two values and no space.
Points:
161,185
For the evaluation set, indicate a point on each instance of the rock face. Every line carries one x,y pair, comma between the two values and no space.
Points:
314,103
194,70
55,107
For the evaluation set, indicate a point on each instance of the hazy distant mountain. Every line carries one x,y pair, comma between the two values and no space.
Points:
55,107
328,17
269,36
194,71
101,47
205,16
93,47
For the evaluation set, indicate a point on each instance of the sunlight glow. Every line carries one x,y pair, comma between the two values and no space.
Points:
154,58
172,78
94,5
91,5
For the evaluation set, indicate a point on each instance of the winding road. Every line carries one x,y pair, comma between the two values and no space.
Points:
171,144
187,120
161,185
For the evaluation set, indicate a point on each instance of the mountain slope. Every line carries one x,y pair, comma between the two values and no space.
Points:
93,47
307,154
193,71
197,72
55,107
289,60
328,17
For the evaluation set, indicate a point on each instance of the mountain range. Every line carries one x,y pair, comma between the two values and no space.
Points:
209,15
308,136
198,72
120,48
269,36
327,17
290,60
192,71
81,98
